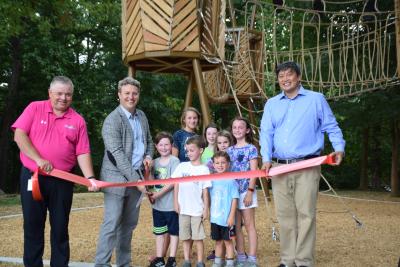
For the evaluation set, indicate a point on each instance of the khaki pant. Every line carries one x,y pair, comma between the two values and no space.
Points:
295,196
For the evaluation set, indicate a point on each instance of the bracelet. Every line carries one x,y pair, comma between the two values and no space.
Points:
250,189
91,177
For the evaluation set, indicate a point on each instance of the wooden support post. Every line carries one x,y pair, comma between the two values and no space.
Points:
263,181
189,92
394,176
397,14
253,17
131,71
251,112
201,90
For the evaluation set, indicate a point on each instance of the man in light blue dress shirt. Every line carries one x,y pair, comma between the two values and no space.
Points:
292,129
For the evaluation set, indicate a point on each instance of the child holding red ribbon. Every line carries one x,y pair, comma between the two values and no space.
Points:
244,156
165,219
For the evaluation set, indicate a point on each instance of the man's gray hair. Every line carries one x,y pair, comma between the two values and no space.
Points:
126,81
63,80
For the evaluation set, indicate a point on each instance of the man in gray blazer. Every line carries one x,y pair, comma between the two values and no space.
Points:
128,145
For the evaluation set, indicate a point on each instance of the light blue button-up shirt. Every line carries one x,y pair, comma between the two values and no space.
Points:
295,128
138,141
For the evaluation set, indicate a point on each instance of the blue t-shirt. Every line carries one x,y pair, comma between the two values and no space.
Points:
222,193
180,138
240,161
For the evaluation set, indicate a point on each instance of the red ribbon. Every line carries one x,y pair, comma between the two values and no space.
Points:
36,194
146,177
215,176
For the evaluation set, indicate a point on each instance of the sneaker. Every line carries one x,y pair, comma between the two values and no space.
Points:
157,262
216,265
187,264
171,262
211,256
200,264
240,264
251,264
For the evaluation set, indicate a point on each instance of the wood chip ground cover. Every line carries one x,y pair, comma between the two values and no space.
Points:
339,241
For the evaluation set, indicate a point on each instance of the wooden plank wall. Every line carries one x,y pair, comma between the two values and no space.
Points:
162,25
250,58
132,30
185,27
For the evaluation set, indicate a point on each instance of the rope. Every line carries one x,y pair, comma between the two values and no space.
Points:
362,199
344,204
271,6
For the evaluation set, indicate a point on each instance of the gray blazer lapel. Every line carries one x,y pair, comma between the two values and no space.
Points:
127,132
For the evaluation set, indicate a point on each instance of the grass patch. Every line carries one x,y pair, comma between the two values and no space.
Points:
10,200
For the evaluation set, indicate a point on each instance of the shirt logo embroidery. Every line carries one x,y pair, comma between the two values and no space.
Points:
43,122
71,127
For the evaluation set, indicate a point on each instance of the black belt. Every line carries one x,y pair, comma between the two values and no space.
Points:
289,161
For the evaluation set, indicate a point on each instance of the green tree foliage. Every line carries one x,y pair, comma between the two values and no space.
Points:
82,40
375,111
162,99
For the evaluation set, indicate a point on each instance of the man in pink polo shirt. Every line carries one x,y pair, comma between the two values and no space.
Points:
50,134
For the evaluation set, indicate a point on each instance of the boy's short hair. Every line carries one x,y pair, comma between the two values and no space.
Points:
162,135
196,140
221,154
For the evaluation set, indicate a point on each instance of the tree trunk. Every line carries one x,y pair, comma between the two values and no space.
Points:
9,114
376,163
364,160
394,177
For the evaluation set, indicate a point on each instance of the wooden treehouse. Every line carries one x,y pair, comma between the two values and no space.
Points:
188,37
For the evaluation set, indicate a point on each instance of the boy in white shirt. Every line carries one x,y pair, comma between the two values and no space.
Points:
192,201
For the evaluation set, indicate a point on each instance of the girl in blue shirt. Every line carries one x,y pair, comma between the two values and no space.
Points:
190,121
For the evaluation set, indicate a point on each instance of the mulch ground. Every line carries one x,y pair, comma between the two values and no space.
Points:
339,241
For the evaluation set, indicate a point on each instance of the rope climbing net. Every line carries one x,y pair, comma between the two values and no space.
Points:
341,53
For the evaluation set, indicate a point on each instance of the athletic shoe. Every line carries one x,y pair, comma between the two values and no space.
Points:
187,264
241,264
200,264
171,262
157,262
211,256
